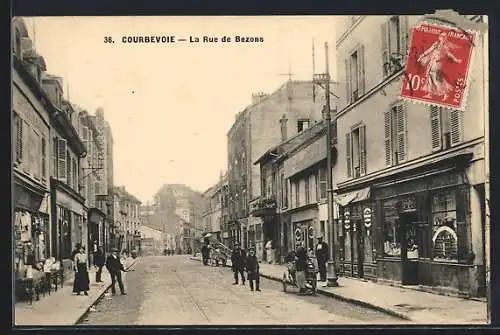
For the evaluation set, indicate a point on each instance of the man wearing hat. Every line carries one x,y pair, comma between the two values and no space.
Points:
300,266
238,263
115,268
322,257
252,265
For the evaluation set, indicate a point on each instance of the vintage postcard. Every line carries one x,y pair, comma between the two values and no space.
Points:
250,170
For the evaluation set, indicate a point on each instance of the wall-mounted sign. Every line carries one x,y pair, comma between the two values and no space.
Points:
347,220
298,235
408,204
367,216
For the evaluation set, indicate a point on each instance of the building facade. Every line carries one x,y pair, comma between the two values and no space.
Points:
181,201
213,217
31,134
129,220
151,241
267,121
410,177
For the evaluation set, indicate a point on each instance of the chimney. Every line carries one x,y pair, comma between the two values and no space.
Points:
259,96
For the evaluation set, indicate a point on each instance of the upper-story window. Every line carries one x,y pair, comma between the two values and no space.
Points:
394,34
284,191
307,191
396,134
446,127
302,125
322,185
356,151
355,74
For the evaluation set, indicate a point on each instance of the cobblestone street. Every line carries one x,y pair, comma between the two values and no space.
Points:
174,290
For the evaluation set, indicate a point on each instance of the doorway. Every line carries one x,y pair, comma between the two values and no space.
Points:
360,248
409,248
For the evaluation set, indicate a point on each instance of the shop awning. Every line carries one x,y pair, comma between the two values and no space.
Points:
354,196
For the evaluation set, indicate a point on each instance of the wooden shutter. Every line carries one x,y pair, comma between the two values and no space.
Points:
401,120
19,139
348,80
44,158
362,150
361,70
348,154
384,33
436,132
69,166
388,137
35,148
403,36
61,159
27,147
456,127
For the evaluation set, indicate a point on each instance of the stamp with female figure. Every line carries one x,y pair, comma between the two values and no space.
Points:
438,66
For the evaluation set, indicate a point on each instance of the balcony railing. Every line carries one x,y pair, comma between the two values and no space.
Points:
263,206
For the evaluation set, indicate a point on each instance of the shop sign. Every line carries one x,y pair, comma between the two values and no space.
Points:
408,204
367,216
347,220
298,235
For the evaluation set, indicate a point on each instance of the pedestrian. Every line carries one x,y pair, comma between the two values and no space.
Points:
238,263
269,251
204,253
99,260
252,265
82,280
115,268
322,257
300,267
73,254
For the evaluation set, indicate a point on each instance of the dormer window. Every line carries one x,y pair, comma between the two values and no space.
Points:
302,125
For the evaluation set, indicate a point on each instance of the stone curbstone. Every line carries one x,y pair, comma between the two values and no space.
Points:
100,295
342,298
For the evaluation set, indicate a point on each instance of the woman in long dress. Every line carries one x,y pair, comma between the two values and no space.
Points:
433,59
82,280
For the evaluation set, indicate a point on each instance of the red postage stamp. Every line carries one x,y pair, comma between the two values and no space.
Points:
437,69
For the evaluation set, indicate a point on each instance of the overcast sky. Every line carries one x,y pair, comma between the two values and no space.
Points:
170,106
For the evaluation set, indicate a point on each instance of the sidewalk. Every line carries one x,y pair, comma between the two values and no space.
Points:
62,307
410,304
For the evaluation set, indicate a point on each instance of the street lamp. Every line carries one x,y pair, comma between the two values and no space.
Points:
332,279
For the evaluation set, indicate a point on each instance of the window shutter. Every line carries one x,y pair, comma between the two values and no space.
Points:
348,154
362,150
44,158
401,132
384,33
403,36
388,137
36,143
361,70
19,140
456,127
68,166
61,159
436,127
348,80
26,146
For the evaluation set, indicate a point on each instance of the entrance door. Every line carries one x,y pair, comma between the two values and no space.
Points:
360,246
409,248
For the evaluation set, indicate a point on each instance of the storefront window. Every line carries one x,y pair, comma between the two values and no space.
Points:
444,226
392,243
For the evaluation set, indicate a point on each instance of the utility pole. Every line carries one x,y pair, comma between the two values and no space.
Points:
331,275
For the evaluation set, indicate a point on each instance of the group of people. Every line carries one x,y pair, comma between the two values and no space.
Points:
241,262
249,263
112,263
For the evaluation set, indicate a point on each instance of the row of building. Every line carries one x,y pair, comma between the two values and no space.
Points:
62,164
409,179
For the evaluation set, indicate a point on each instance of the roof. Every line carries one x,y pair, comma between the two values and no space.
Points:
292,143
121,192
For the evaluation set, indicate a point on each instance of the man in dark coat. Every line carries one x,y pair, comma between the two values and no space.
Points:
115,268
252,265
238,263
322,257
99,260
205,252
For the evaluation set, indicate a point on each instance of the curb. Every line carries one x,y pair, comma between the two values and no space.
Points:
342,298
99,297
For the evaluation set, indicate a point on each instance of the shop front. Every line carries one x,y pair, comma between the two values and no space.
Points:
357,253
68,211
95,235
303,227
31,223
424,232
